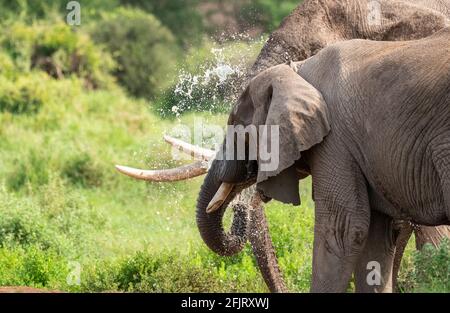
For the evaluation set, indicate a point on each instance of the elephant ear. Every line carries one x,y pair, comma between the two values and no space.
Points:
283,99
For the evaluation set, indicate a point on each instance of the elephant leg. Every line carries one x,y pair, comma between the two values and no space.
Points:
342,217
373,277
339,240
262,245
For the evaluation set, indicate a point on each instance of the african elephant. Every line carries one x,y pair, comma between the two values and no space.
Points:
370,121
314,25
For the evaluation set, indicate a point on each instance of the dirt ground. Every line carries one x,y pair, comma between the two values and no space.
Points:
22,289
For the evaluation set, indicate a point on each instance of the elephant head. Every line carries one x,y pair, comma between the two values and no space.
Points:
277,98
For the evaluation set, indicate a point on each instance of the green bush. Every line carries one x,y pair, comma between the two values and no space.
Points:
80,170
22,225
144,50
432,268
52,9
181,17
145,272
168,271
71,216
27,8
32,170
56,219
267,13
31,266
58,50
23,95
7,67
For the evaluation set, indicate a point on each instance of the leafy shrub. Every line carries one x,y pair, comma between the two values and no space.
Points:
268,13
38,235
32,170
56,219
167,271
80,170
181,17
23,95
144,49
27,10
31,266
71,217
145,272
137,272
39,268
22,226
6,65
58,50
432,268
62,51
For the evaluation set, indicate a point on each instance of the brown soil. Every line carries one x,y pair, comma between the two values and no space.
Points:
23,289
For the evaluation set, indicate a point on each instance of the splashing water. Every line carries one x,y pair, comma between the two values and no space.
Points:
217,81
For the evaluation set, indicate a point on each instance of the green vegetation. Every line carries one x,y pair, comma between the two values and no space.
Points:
74,101
432,268
143,48
268,13
23,95
53,47
181,17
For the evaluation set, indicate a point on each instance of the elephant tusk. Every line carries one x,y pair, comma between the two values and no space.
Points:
174,174
219,198
194,151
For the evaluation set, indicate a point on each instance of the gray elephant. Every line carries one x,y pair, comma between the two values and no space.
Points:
370,121
311,27
316,24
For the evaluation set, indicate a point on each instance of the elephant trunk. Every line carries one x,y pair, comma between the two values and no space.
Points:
263,248
210,225
249,222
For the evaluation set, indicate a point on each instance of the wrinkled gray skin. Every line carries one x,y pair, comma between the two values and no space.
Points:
311,27
370,121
